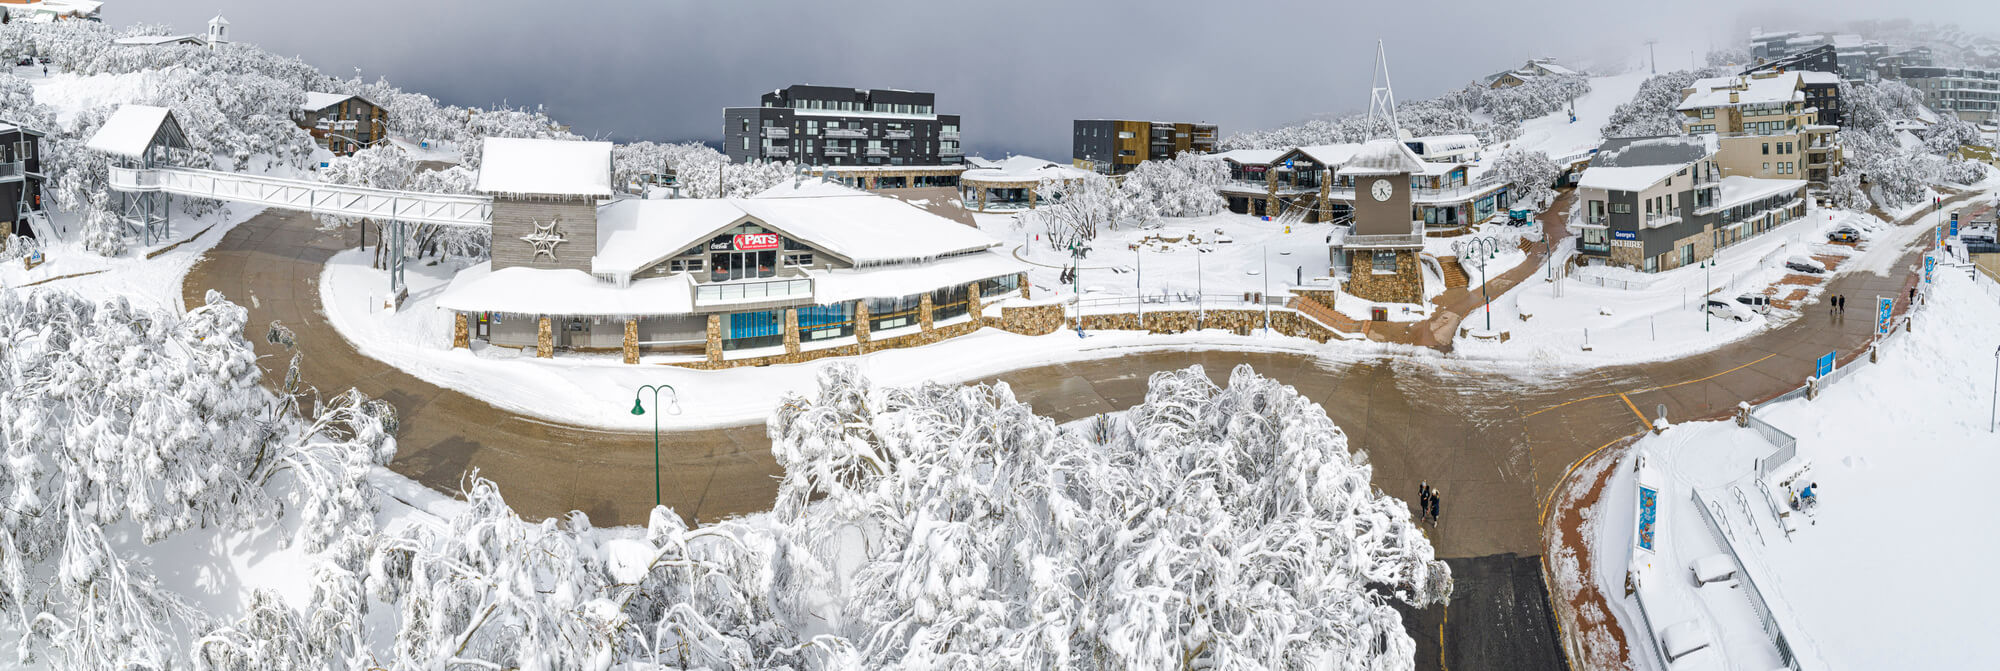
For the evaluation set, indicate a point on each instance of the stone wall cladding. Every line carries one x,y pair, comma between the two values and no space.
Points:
1240,322
924,312
714,348
631,341
545,340
461,334
791,331
1406,286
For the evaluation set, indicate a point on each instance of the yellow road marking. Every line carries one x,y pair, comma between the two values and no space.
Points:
1635,409
1550,498
1641,391
1446,613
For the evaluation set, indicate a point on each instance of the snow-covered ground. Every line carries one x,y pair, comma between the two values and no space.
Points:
1886,571
1181,256
1635,316
1558,137
150,282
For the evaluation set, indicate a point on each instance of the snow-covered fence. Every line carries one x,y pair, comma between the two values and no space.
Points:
1652,643
1765,618
1174,301
314,197
1608,283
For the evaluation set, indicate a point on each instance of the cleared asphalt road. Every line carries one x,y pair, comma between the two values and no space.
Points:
1493,444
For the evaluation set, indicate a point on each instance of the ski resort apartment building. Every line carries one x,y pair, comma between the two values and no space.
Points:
341,123
46,11
897,135
1765,125
809,268
1116,146
1540,67
1971,94
21,206
1660,203
1451,188
1822,92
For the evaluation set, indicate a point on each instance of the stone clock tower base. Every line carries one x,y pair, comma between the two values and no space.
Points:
1406,285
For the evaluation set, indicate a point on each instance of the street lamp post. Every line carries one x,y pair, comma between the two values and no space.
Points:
1480,250
637,409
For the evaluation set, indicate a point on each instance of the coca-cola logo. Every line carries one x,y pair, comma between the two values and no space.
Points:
755,241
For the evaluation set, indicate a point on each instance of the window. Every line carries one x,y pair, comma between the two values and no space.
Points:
1653,263
1708,113
746,125
1384,262
800,260
1767,149
1596,211
1621,208
1124,135
1687,254
746,143
1767,167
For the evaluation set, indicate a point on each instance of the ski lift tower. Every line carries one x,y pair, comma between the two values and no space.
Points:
1382,94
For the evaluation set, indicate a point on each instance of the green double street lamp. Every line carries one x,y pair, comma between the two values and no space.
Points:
673,397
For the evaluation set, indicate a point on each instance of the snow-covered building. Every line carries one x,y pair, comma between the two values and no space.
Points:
807,265
1765,124
1820,69
1539,67
1659,203
44,11
21,207
1451,190
342,123
1010,184
1973,94
218,34
1381,250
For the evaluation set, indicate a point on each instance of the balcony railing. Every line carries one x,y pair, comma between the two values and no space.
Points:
134,179
835,151
777,151
777,133
875,151
948,135
1246,184
951,151
1667,218
899,134
10,170
847,133
1600,247
710,294
1389,241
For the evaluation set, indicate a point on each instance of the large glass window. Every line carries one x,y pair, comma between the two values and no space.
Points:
745,330
889,313
819,322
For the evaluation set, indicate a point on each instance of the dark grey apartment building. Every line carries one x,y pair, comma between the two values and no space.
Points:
840,126
1821,93
1116,146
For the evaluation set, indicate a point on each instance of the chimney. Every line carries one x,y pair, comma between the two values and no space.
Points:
1734,96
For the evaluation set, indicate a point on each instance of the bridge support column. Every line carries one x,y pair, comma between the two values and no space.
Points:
397,289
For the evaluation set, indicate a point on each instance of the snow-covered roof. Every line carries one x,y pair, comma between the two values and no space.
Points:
1437,145
1738,190
1636,164
1552,67
1384,156
565,291
1023,169
129,130
1814,77
846,284
316,101
545,167
1331,154
1749,90
1251,156
864,228
156,40
809,187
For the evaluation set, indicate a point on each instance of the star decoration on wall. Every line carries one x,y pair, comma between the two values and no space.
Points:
545,238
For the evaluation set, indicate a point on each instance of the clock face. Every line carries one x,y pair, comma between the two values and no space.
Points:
1382,189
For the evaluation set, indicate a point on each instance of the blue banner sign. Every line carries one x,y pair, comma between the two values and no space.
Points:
1885,308
1930,264
1825,366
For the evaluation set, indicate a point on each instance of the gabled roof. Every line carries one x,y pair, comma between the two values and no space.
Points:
1385,156
545,167
131,129
1251,156
1637,163
316,101
1022,169
156,40
1749,90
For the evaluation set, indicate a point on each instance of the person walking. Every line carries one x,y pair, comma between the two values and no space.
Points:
1423,498
1434,509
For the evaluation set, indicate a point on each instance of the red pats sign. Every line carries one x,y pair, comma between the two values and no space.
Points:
750,242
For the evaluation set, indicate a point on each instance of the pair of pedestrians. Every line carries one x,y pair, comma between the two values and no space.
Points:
1837,304
1427,503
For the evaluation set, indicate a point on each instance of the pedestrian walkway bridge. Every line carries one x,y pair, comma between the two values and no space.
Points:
306,196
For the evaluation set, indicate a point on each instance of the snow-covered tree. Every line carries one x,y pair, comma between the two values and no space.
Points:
708,179
1651,110
1182,187
644,158
1492,114
1728,57
1846,192
1225,527
1948,134
1077,209
1532,174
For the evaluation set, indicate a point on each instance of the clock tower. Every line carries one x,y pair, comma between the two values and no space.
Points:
1382,247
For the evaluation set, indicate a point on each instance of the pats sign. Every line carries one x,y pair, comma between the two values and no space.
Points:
750,242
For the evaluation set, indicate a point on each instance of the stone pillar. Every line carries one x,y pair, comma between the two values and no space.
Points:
1032,197
791,330
924,312
982,199
972,301
715,338
545,339
1023,281
461,333
631,341
861,323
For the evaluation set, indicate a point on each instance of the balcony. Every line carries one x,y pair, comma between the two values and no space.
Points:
134,179
1239,185
1598,247
778,152
11,171
1414,240
875,151
777,133
753,292
951,151
947,135
850,133
899,134
835,151
1660,219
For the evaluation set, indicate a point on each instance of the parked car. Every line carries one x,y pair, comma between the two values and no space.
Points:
1805,264
1759,303
1726,310
25,59
1844,234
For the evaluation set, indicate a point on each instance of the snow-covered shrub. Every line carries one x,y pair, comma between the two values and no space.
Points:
1948,134
1492,114
711,179
1182,187
645,158
1532,173
1076,210
1961,171
1217,526
1845,191
14,247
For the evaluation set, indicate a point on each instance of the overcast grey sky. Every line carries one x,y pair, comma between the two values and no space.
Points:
1018,71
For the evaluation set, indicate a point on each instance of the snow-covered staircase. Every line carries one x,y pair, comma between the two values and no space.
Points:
42,224
1454,274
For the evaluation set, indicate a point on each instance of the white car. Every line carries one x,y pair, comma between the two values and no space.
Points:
1728,310
1805,264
